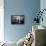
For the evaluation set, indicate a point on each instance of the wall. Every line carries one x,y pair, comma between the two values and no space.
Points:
42,6
1,20
19,7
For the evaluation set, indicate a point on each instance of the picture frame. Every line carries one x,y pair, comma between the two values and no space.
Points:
17,19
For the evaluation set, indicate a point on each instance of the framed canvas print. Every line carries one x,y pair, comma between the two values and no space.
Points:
17,19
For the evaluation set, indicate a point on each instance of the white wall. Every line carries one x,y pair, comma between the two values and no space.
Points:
1,20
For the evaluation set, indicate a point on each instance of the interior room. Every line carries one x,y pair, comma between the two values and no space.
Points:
22,23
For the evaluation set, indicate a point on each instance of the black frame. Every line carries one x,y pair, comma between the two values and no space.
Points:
20,20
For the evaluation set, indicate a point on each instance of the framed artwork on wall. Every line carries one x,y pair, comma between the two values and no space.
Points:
17,19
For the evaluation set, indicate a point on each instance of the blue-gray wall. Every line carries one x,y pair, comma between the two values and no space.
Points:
19,7
43,6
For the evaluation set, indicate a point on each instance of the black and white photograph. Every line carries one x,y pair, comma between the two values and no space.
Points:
17,19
